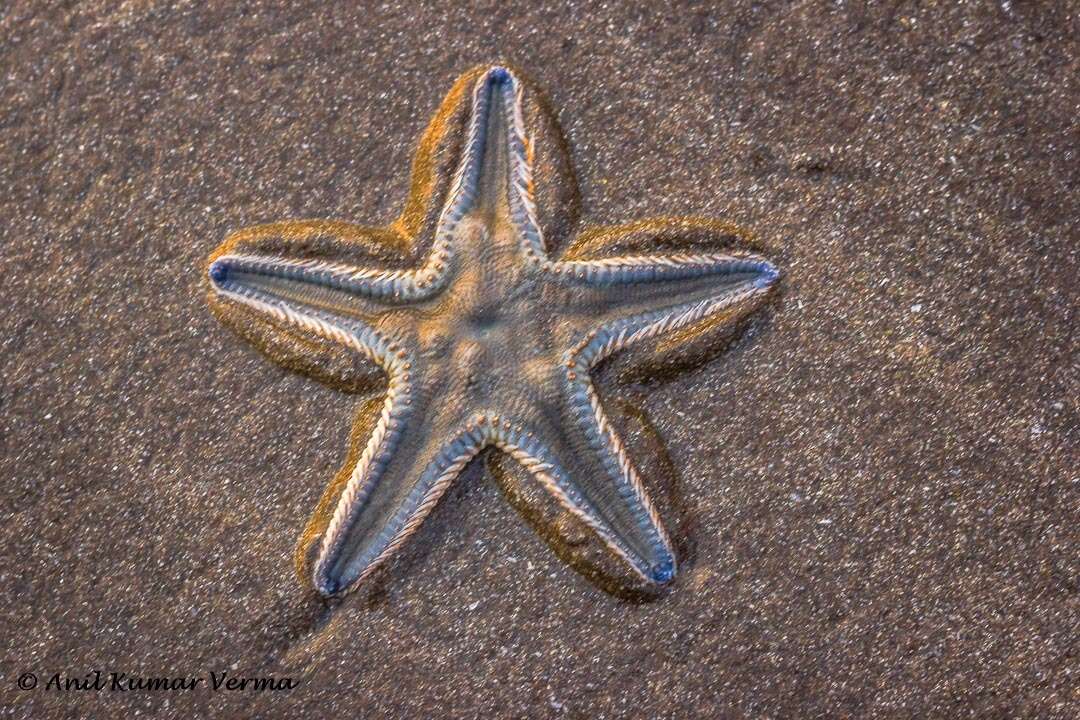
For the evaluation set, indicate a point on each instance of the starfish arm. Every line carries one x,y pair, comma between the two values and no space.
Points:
354,333
602,292
581,462
343,287
652,313
265,280
414,453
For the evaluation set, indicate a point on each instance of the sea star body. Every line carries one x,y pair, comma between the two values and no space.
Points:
486,340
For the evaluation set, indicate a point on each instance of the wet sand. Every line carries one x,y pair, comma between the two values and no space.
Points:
873,489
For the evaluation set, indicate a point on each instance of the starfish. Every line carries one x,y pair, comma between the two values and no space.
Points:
483,332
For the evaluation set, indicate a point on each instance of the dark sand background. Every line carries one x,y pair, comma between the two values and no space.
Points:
878,480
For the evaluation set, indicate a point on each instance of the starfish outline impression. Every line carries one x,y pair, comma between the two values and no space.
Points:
488,342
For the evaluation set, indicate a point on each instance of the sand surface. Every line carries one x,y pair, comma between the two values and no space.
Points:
874,489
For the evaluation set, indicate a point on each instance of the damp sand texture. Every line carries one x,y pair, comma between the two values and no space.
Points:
869,484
